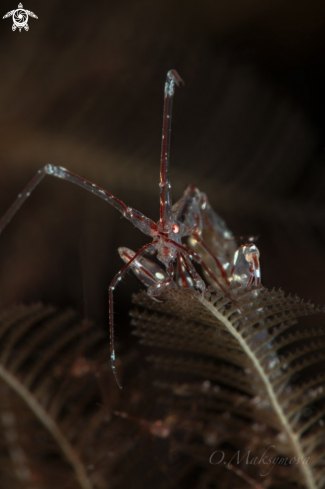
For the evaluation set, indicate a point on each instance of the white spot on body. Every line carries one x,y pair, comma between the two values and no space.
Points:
159,276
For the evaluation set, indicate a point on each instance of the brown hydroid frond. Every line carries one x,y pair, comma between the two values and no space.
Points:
63,420
47,392
247,385
257,368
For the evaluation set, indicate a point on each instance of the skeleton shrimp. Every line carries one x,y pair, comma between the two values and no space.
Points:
192,216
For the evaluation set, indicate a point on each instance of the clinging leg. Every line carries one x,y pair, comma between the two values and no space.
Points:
199,283
197,258
183,277
246,269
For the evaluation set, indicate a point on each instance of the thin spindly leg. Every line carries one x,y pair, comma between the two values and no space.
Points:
111,288
165,187
137,218
191,269
184,278
196,257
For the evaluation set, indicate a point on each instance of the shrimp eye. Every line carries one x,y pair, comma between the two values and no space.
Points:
175,229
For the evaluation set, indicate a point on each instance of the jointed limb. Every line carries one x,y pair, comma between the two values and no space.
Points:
118,277
196,257
184,278
137,218
199,283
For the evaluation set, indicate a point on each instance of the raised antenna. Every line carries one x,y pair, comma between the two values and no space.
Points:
165,188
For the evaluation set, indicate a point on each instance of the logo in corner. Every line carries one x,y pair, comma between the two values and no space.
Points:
20,18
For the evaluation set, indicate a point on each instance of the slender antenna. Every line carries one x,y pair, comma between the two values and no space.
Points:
165,188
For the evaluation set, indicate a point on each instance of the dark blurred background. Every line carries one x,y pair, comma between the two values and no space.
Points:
84,89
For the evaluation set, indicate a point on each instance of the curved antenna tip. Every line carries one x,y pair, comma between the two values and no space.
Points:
173,75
